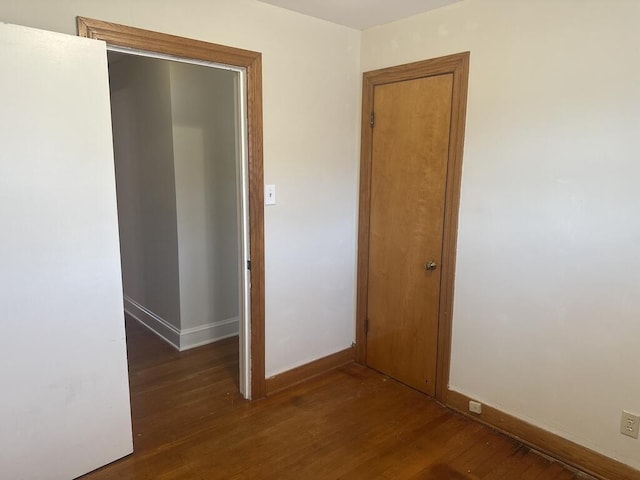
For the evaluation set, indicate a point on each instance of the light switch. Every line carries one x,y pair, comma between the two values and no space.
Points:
269,194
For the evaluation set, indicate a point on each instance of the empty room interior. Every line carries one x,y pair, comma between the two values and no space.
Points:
352,239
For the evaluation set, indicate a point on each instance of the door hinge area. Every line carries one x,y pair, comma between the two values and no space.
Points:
372,119
366,326
248,264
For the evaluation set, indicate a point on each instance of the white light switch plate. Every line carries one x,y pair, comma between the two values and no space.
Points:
269,194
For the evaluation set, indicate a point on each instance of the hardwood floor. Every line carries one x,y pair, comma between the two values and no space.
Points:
190,422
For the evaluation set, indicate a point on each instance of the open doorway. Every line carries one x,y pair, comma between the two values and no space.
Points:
180,178
249,65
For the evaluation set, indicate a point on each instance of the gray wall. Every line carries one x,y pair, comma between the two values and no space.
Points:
204,143
143,148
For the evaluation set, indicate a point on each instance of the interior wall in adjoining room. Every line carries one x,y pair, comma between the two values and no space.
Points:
205,141
176,135
144,159
547,287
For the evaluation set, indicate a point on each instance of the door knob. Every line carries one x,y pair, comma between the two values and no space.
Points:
430,265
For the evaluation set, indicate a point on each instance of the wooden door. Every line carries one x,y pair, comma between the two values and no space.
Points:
409,159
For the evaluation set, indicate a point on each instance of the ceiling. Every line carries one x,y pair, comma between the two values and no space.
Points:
360,14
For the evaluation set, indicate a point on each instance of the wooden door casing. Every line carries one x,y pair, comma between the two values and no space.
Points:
458,67
145,40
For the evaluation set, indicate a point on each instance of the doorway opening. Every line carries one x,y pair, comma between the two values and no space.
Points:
181,181
245,68
411,159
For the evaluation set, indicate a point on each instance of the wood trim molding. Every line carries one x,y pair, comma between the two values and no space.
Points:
305,372
146,40
458,66
150,41
564,450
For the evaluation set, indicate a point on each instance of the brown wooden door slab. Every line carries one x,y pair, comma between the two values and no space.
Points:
409,157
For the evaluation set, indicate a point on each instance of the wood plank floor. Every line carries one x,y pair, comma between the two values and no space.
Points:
190,422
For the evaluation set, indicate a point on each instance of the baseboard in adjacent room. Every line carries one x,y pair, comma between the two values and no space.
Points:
548,443
181,339
209,333
304,372
153,322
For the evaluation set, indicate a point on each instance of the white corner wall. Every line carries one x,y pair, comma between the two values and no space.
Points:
548,268
311,98
143,150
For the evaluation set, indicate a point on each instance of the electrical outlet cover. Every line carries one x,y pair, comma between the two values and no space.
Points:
475,407
629,424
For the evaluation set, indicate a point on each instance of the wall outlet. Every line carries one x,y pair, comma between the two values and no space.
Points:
629,424
475,407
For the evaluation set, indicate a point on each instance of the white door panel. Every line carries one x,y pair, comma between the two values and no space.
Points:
65,402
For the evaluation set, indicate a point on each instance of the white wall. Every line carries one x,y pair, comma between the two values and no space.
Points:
548,277
203,109
144,159
311,83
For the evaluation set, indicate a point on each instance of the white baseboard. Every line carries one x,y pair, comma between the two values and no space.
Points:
209,333
153,322
182,339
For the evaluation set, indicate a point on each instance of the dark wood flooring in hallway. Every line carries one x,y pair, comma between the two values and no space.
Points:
190,422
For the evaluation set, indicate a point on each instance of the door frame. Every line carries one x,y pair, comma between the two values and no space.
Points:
155,42
458,65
